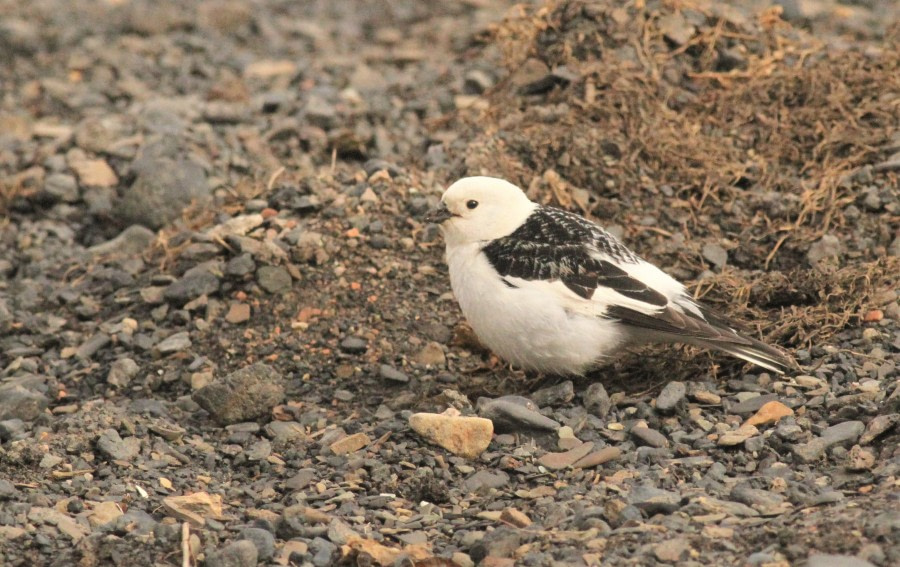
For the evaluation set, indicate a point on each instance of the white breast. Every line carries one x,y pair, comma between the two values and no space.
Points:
526,325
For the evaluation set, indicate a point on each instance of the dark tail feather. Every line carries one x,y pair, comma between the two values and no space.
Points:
753,351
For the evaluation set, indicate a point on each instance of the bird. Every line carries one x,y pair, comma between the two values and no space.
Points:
550,291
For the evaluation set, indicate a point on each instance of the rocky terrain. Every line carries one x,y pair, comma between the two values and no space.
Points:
227,336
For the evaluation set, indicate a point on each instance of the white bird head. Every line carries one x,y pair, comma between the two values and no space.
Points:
477,209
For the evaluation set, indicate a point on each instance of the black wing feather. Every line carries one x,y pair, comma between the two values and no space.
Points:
555,245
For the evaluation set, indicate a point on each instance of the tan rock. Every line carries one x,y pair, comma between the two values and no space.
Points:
558,461
350,444
464,436
94,172
432,355
103,513
770,412
238,313
738,436
515,517
194,508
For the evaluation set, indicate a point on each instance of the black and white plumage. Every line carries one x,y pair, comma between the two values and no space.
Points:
551,291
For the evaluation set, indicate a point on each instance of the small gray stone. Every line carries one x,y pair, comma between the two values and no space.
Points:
273,279
561,393
650,437
844,434
390,373
810,451
61,187
829,560
484,480
240,265
174,343
18,402
243,395
510,416
10,428
765,502
112,445
829,246
324,552
192,284
241,553
596,400
7,490
133,240
90,347
670,397
165,182
752,405
121,372
715,254
339,532
354,345
654,500
263,540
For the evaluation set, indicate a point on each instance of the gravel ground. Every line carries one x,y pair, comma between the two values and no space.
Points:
227,337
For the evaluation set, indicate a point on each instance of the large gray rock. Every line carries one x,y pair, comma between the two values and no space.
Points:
165,183
18,402
243,395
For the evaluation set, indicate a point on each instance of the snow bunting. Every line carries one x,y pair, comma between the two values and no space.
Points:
550,291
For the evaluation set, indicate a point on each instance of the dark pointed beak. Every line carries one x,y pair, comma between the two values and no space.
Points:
438,215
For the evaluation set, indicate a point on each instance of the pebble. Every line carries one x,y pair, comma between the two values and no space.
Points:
243,395
121,371
670,397
829,560
597,458
860,459
20,403
194,508
561,393
354,345
432,354
752,405
715,254
112,445
390,373
164,184
654,500
511,414
238,313
559,461
350,444
241,553
672,550
93,345
484,480
133,240
768,413
878,426
240,266
174,343
515,517
829,246
104,513
274,279
763,501
649,437
467,437
596,400
191,286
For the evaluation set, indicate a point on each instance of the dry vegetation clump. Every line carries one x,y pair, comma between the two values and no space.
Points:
690,123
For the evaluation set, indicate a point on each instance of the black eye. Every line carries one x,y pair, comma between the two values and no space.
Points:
472,204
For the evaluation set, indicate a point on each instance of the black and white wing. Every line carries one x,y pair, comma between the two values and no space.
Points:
591,273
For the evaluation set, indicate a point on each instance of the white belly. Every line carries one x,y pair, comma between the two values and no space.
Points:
523,326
